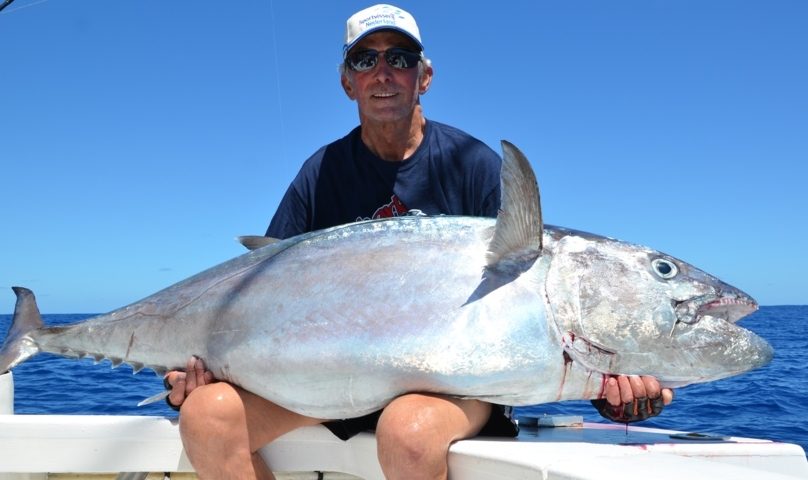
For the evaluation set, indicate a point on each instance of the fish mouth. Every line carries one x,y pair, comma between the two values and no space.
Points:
713,341
730,307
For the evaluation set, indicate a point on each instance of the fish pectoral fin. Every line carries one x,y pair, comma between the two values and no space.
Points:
591,355
518,232
254,242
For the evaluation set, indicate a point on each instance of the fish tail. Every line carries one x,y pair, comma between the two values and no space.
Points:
19,344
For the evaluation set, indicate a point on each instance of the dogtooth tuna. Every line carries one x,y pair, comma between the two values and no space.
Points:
336,323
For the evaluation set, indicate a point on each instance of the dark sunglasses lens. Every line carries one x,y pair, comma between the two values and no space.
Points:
363,61
401,58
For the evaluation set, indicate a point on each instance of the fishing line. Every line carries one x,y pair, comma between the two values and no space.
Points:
9,2
277,77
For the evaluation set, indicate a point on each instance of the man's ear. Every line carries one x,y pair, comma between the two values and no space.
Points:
426,80
347,86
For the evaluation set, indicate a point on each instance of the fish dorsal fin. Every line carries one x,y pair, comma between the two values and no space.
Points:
253,242
518,231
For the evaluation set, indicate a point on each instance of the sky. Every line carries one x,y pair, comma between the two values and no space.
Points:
139,138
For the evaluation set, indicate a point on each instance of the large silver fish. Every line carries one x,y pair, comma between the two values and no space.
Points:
336,323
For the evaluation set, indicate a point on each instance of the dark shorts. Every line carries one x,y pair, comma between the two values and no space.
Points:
499,424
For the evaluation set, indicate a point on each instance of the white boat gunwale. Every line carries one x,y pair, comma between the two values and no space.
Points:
33,444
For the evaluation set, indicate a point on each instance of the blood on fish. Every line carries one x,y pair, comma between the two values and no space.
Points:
603,380
567,368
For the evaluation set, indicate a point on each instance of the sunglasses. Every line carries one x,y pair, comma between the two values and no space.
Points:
398,58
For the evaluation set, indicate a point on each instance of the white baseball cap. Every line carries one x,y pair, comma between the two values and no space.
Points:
380,17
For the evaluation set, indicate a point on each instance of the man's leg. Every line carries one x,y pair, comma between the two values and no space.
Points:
415,431
222,427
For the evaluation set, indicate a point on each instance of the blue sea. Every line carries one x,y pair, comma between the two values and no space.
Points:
765,403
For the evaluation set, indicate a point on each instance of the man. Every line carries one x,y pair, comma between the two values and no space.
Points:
395,163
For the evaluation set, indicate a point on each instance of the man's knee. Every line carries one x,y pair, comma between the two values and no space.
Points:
412,430
419,424
210,407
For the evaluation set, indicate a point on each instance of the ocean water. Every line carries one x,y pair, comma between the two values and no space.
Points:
765,403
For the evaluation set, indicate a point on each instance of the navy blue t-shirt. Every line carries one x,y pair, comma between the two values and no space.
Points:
450,173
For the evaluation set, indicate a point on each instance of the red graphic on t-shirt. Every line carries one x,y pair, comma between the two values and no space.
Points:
395,208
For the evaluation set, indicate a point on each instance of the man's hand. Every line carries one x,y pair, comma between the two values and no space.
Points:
183,383
633,398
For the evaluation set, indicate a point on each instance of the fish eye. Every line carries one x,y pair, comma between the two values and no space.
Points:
664,268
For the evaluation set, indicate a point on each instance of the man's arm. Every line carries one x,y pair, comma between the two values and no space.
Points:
292,217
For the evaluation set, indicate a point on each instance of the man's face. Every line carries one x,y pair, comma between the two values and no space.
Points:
384,93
